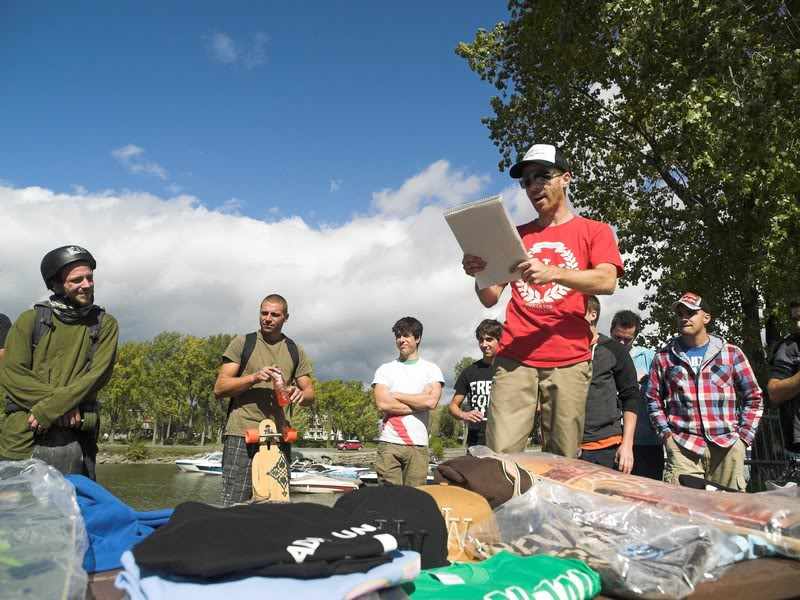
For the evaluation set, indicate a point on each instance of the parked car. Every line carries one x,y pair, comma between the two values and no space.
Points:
351,445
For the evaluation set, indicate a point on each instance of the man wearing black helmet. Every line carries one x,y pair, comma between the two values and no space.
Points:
58,356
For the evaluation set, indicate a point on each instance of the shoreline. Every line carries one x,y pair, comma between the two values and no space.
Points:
162,455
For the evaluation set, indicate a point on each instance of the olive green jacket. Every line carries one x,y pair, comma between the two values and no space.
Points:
54,379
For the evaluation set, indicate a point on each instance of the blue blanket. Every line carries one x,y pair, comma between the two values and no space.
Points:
112,525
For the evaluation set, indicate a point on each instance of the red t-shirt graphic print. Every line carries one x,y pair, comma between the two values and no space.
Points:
545,325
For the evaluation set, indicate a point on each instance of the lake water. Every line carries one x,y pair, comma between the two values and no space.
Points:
153,487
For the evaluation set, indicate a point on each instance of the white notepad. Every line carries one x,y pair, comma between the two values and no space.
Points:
484,228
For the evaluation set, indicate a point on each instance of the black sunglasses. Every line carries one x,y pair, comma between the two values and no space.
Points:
538,178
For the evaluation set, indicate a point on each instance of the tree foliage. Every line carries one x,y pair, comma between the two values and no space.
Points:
461,365
680,121
168,382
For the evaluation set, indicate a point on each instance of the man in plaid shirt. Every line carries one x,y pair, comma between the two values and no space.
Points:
691,398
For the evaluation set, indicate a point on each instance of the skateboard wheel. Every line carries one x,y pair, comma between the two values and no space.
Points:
251,436
289,434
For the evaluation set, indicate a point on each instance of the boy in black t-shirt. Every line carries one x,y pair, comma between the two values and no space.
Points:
475,384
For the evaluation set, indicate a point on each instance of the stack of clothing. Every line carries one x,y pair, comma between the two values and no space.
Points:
305,549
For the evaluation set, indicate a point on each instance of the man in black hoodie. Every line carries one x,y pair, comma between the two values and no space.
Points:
612,402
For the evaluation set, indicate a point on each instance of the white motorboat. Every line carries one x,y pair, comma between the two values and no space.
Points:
341,471
210,463
313,483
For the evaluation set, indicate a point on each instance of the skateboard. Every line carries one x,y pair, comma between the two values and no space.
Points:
461,508
269,468
773,519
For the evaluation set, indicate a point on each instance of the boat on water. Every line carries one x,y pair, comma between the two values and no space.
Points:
210,464
312,483
341,471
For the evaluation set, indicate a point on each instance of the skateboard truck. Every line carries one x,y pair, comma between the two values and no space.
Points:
288,435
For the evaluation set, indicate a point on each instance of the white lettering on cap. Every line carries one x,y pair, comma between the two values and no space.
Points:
543,152
75,250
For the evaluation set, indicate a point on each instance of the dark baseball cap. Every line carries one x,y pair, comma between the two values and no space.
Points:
693,302
542,154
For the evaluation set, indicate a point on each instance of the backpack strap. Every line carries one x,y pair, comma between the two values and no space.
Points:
44,321
247,352
95,321
295,354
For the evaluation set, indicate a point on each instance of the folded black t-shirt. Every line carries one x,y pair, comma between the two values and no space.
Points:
301,540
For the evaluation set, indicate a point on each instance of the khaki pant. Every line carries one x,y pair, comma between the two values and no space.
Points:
560,392
399,464
724,466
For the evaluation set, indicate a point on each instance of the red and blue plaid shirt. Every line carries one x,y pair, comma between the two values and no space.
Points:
698,407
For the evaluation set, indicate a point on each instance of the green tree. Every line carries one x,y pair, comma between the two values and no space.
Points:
462,364
345,407
126,394
165,381
213,412
680,120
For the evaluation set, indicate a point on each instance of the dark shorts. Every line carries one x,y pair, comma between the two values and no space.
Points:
648,461
603,457
477,437
71,451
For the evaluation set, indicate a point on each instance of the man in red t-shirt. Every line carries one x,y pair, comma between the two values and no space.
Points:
544,358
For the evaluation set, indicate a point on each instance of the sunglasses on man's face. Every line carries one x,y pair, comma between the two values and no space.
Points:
537,178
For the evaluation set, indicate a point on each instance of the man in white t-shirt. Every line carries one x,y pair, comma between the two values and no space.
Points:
406,390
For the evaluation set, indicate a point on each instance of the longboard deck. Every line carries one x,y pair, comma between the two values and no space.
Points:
773,518
270,470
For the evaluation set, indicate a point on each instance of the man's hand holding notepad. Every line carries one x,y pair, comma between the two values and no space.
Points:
484,228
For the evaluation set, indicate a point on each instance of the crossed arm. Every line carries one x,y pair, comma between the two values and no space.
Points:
399,403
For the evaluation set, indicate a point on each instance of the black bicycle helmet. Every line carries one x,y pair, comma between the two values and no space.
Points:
55,260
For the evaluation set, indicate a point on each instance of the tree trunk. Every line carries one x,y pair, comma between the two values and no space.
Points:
191,418
203,435
113,430
771,327
751,332
155,431
169,426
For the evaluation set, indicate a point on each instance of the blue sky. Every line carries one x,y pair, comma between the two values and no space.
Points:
303,109
211,153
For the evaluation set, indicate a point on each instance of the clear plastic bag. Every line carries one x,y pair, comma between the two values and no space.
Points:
42,535
771,518
639,551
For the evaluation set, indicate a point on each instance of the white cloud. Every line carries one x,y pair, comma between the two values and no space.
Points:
132,158
231,206
223,48
226,50
173,264
439,181
336,185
